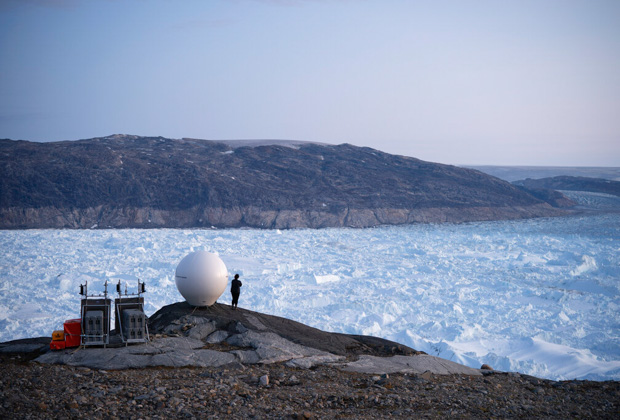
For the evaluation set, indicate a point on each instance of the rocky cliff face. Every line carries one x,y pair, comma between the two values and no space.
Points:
146,182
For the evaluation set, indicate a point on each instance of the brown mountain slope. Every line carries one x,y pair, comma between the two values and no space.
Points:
130,181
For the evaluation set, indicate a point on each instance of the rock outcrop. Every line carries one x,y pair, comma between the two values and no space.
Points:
151,182
217,336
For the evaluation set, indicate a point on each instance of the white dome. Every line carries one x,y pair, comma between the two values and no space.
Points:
201,278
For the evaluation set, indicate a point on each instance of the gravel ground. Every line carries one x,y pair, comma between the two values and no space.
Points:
31,390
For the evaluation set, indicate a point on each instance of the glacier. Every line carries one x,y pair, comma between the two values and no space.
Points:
538,296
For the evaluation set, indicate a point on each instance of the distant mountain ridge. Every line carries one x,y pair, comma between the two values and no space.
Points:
517,173
123,181
573,183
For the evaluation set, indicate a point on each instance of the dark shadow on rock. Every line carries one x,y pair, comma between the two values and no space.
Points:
227,319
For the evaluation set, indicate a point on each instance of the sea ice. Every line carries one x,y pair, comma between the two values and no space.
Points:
538,296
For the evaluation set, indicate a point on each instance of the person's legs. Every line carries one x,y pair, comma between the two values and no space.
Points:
235,300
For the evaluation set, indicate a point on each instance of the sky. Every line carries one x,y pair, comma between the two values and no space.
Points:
480,82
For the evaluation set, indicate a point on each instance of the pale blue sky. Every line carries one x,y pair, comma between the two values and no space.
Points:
464,82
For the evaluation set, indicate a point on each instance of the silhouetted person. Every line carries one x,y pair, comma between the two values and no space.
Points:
235,290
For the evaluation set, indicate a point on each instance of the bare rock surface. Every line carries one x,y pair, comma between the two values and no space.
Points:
280,376
170,352
408,364
235,391
183,318
183,335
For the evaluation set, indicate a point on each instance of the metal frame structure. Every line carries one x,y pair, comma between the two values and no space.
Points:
95,309
134,303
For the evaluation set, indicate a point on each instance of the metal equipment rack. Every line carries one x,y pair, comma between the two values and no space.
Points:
131,322
95,315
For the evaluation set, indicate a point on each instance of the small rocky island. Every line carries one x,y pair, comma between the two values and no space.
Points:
124,181
218,363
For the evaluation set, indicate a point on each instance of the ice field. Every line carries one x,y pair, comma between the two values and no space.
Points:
540,297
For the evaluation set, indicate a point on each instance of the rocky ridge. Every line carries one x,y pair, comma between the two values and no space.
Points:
215,336
278,389
152,182
572,183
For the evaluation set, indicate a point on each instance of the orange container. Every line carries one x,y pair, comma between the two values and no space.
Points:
73,332
58,335
57,345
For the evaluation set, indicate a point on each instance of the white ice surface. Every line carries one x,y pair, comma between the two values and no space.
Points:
538,296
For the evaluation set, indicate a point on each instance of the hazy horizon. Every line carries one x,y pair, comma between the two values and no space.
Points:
514,83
